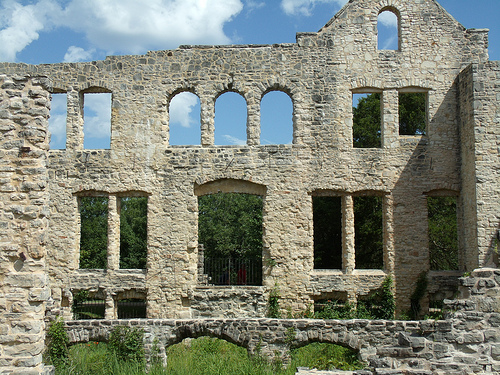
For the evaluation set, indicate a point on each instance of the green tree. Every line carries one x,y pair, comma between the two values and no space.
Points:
412,113
133,232
94,232
327,221
230,224
366,122
443,238
368,229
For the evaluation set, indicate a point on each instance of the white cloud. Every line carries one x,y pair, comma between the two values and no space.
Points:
117,26
76,54
57,121
181,108
252,4
388,19
20,25
234,141
135,26
305,7
97,115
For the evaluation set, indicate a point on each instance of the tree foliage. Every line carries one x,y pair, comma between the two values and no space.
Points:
366,122
94,232
133,232
443,238
412,113
369,232
230,225
327,221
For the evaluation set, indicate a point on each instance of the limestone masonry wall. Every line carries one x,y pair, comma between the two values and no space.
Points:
457,156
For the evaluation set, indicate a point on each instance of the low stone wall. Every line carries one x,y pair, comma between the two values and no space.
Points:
467,342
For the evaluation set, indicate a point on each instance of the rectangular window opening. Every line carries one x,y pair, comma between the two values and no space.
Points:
366,120
443,235
368,232
57,121
88,306
96,120
230,230
131,308
133,232
412,113
93,232
327,222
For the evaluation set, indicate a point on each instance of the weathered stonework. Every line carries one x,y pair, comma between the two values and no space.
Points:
458,155
467,342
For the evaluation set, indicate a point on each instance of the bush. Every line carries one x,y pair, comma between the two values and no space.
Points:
57,344
127,343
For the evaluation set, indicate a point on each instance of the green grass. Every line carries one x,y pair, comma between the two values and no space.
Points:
206,356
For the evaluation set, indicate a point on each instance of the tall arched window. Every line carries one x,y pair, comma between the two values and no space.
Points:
388,37
184,114
276,118
230,119
96,118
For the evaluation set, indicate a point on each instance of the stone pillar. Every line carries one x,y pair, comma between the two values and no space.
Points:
110,310
388,220
113,233
24,207
348,250
207,104
74,121
389,112
253,121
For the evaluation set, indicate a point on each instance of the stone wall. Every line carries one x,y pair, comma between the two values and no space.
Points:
467,342
24,211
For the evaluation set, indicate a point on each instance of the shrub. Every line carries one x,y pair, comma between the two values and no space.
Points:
57,343
127,343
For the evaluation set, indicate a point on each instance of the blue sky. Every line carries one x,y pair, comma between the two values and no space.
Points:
50,31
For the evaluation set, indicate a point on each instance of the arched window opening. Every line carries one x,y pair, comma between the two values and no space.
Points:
88,304
366,120
57,121
96,119
184,114
230,230
230,119
276,118
388,30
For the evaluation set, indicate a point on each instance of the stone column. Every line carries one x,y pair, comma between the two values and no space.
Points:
113,233
388,219
74,121
24,207
389,112
110,310
207,104
253,121
348,250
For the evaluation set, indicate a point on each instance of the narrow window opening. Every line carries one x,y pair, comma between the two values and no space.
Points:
133,232
87,305
57,121
230,229
368,231
184,115
327,221
366,121
93,232
412,113
276,118
443,235
230,120
131,308
388,31
97,120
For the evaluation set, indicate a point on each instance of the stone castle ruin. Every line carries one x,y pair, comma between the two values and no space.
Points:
458,155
